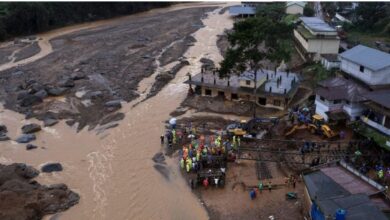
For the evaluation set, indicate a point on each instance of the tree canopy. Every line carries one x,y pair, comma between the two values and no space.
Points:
23,18
254,40
308,11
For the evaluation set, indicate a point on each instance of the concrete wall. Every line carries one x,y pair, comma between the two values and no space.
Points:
294,9
368,76
324,46
353,110
301,40
377,126
329,65
228,96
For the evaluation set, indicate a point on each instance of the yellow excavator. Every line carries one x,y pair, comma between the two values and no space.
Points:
316,126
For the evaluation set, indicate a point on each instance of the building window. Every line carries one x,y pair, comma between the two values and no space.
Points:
387,122
247,82
336,101
322,98
221,93
362,69
234,96
277,102
207,92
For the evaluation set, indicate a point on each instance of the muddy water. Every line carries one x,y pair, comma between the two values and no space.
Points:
113,171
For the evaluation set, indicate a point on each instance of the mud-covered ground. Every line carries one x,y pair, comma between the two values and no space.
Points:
91,67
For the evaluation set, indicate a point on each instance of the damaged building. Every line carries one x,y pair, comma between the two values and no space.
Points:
273,89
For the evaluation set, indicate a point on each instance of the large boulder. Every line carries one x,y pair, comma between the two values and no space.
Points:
113,104
41,94
31,128
31,146
30,100
47,122
4,137
66,82
51,167
56,91
22,94
77,76
3,129
25,138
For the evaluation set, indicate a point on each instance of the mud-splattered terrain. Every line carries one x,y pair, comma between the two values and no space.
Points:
89,72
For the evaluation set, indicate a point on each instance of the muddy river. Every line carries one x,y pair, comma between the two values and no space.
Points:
112,170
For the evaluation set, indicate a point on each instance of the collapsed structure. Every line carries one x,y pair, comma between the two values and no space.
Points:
273,89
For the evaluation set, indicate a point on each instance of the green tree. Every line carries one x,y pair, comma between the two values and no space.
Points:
372,15
308,11
275,11
252,41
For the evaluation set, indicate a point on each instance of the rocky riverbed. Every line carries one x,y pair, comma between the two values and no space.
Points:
90,72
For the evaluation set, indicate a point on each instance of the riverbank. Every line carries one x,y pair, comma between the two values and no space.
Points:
112,170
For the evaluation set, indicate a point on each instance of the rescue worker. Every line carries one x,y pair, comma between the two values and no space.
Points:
162,139
260,186
188,164
238,141
205,182
174,136
270,186
182,163
252,194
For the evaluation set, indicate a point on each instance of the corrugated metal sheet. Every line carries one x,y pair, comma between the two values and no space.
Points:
317,24
368,57
381,97
241,10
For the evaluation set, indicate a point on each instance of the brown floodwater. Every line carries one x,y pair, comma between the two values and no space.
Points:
113,171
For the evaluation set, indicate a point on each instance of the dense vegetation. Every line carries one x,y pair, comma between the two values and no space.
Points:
370,17
24,18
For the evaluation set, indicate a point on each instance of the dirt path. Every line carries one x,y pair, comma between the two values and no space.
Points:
113,171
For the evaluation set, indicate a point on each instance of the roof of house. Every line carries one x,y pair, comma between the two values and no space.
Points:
330,196
317,24
339,88
239,10
381,97
302,4
368,57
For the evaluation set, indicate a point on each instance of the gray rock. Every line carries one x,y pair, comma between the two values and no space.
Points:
47,122
95,94
4,137
30,100
31,146
25,138
17,73
3,129
77,76
159,158
67,82
22,94
55,91
31,128
41,94
51,167
113,103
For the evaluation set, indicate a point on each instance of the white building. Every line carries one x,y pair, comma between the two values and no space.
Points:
339,98
330,61
366,64
295,8
313,37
